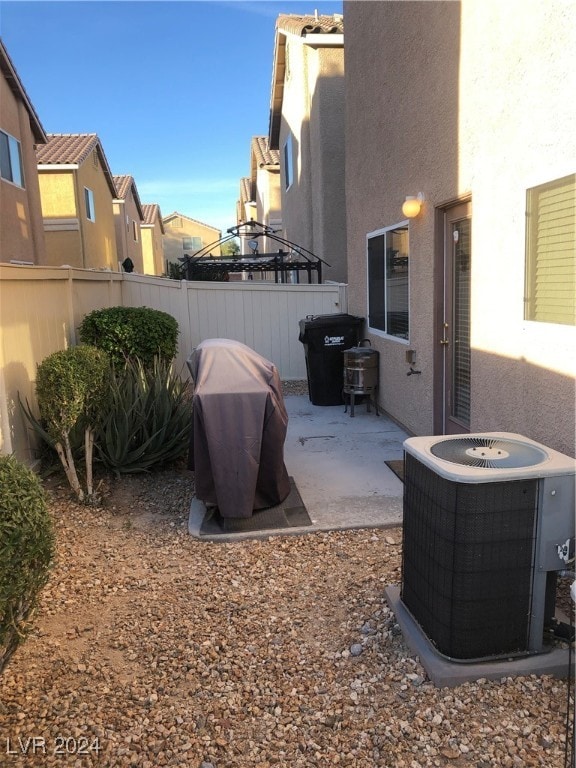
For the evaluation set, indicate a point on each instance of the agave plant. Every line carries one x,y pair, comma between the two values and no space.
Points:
148,420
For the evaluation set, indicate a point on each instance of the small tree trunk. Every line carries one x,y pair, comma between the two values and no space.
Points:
88,451
65,454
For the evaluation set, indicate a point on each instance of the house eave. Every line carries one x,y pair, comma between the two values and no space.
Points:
314,40
58,166
19,91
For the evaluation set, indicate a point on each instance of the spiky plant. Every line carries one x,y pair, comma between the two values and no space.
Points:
148,418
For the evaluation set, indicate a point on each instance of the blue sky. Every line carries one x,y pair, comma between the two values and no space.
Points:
174,90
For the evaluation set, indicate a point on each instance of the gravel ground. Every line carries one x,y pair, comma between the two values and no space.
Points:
153,649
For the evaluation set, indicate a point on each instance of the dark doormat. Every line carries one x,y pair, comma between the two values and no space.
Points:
397,466
291,513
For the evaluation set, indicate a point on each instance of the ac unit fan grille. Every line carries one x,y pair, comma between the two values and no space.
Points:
467,562
488,452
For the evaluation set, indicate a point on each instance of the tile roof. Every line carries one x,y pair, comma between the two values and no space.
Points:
123,185
15,84
311,25
73,149
67,148
151,213
262,153
174,214
245,190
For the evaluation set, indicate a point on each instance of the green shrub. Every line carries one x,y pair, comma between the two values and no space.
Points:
148,419
131,333
72,387
26,551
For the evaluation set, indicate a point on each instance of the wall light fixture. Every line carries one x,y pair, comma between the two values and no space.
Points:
412,205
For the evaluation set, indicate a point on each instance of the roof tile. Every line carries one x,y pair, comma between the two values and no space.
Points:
151,212
262,152
66,148
123,184
311,25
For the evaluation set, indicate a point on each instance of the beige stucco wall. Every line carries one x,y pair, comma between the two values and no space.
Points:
128,243
401,123
453,99
517,130
23,239
269,206
313,208
172,240
152,253
90,244
99,236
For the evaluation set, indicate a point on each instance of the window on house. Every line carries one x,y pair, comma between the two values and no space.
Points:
11,159
191,243
551,252
388,271
135,230
288,163
89,202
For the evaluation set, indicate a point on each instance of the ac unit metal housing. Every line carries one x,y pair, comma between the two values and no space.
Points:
488,523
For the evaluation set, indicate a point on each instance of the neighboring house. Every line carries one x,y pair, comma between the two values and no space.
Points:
152,229
246,211
267,196
22,232
469,104
184,236
307,128
128,216
77,190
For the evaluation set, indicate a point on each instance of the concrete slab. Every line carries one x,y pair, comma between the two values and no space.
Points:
446,673
337,462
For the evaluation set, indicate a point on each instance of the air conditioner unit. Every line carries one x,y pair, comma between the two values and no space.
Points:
488,523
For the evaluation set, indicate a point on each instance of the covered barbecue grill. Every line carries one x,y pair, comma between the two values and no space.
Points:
239,428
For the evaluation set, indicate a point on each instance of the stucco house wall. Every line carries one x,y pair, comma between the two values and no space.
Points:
463,101
67,166
152,229
517,131
265,181
308,110
177,227
22,233
127,222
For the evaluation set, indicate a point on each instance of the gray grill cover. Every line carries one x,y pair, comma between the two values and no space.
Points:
239,428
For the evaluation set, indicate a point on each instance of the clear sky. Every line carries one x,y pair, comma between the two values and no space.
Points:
174,90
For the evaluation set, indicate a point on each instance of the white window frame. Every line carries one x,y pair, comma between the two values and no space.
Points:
12,162
288,155
135,230
89,204
385,333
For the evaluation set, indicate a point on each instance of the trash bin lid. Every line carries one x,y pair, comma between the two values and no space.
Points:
316,321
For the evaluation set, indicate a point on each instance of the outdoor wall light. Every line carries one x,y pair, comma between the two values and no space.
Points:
412,205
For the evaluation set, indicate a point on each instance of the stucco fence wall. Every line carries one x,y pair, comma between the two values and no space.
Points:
42,307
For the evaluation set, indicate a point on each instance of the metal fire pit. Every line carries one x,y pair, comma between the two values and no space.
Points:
361,367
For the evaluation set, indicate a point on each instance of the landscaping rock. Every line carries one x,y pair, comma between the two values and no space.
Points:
154,649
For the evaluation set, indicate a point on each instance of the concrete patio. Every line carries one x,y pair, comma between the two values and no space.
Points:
338,465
